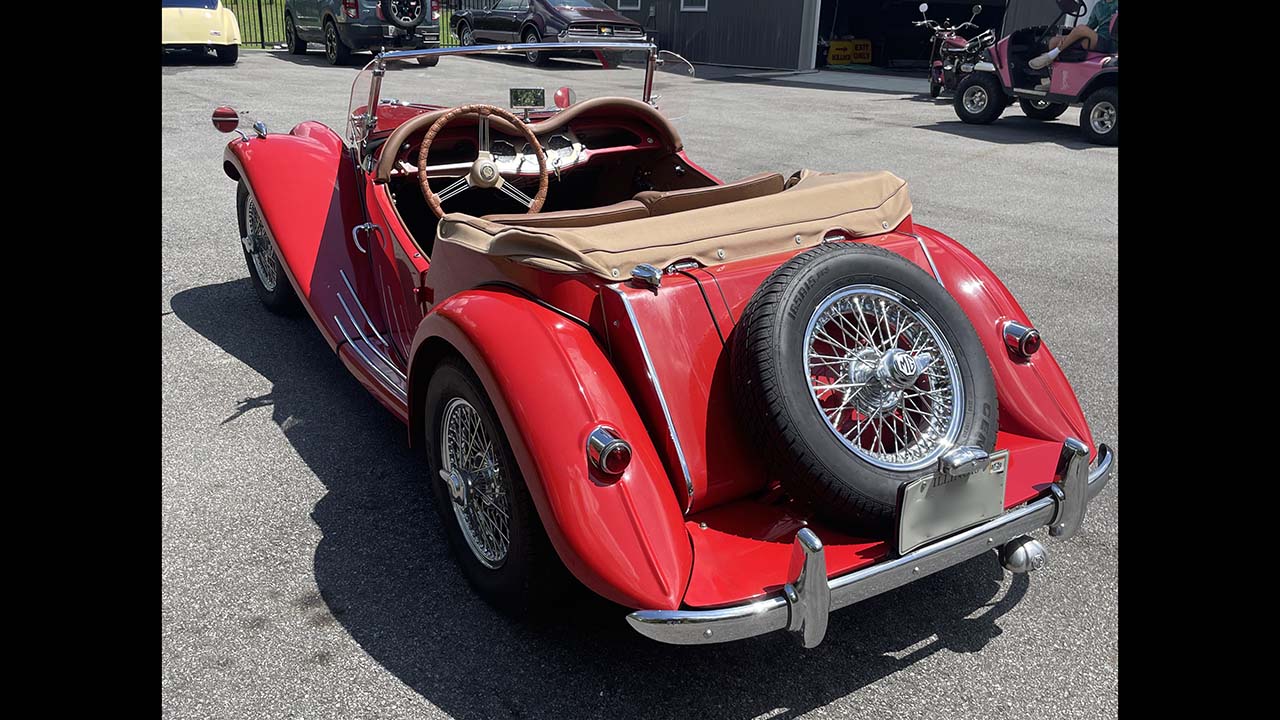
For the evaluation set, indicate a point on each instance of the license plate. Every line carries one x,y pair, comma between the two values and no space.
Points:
936,505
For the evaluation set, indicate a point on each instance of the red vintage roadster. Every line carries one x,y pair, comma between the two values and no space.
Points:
731,406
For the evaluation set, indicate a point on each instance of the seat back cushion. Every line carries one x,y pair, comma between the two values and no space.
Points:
617,212
671,201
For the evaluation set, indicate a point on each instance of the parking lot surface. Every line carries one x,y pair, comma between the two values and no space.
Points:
304,573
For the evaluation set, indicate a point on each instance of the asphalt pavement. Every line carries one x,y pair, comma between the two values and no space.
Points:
304,573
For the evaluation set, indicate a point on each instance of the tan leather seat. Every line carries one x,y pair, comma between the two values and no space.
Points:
671,201
586,217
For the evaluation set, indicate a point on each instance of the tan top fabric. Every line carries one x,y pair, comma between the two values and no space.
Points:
663,203
617,212
801,216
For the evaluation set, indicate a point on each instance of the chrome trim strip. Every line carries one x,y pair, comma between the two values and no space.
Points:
365,338
699,627
386,380
928,256
662,399
369,322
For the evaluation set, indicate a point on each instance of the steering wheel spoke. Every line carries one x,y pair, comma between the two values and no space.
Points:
482,123
513,192
454,188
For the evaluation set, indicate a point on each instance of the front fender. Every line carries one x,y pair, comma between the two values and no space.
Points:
1036,400
551,385
308,192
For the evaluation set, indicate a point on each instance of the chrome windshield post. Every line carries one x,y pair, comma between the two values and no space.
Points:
650,68
375,90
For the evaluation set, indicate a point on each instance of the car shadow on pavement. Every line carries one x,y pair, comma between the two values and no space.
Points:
1019,130
383,571
189,59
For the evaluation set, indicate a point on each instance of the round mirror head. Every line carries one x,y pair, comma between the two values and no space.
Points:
924,7
977,9
226,119
565,97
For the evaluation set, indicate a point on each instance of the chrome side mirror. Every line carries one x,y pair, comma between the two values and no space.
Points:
976,10
924,8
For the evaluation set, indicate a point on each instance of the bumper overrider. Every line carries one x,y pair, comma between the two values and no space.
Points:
805,602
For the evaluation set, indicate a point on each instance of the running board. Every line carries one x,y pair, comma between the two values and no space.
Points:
371,351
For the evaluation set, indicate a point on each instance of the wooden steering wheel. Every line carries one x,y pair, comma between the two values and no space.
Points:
484,171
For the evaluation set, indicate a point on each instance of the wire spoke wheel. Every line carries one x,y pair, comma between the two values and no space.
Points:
260,249
477,483
883,377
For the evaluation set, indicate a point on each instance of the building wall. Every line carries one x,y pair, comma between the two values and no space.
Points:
750,33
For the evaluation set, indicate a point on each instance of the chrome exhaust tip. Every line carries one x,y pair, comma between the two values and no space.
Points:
1022,555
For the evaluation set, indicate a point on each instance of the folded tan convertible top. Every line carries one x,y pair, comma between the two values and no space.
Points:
859,203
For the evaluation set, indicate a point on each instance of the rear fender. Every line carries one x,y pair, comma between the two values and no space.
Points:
1036,400
551,385
230,28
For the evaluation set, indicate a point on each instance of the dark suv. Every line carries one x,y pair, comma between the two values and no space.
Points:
531,21
345,26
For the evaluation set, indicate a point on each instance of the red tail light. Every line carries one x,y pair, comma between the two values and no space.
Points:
351,8
435,9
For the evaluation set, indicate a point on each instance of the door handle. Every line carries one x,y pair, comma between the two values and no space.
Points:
367,227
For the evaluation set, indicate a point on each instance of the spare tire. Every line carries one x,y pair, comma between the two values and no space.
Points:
407,14
855,371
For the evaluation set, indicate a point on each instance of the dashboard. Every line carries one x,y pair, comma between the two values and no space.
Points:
563,150
453,153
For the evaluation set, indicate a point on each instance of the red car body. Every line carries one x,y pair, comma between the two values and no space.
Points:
691,524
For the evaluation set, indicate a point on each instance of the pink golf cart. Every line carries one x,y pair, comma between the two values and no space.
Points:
1077,77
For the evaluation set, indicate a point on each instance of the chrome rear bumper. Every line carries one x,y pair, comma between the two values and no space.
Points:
806,601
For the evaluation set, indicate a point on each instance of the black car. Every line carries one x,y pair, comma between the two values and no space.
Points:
345,26
531,21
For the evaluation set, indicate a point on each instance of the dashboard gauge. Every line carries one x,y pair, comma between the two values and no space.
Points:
560,146
502,149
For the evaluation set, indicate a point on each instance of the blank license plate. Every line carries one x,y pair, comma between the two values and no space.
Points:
934,506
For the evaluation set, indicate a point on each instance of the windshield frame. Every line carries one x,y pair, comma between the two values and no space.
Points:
361,126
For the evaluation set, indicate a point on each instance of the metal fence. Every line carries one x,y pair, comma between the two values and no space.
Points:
262,21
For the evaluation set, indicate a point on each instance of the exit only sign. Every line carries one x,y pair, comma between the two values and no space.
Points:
844,52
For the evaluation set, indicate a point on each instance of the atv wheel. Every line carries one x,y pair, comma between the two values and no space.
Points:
1100,116
1041,109
979,99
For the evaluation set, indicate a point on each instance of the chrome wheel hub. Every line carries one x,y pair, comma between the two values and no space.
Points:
1103,117
478,487
883,377
258,244
975,99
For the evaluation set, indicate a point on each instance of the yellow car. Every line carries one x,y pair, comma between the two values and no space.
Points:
200,25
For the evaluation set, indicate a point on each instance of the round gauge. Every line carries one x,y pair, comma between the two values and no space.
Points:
502,149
